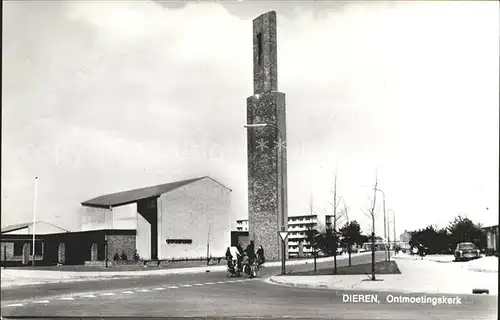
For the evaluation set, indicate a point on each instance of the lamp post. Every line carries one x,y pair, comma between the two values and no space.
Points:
34,219
280,156
393,226
387,257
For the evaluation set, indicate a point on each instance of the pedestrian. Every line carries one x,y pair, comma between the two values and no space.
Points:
414,251
229,256
421,251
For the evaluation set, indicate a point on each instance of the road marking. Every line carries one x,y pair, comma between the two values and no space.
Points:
67,298
173,287
42,301
88,296
210,283
129,292
15,305
143,290
220,282
198,284
186,285
107,294
159,289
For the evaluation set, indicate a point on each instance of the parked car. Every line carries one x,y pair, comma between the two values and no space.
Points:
466,251
320,253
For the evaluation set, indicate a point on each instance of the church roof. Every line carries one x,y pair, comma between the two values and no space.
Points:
131,196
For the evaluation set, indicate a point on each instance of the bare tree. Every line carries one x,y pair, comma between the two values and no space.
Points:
312,233
371,214
334,221
345,210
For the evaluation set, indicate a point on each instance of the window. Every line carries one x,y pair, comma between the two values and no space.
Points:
260,53
18,248
38,248
179,241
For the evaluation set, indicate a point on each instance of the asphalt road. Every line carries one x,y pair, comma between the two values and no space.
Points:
214,295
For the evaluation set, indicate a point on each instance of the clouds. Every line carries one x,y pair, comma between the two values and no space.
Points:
106,96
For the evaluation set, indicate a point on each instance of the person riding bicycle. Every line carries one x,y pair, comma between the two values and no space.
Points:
245,261
234,257
250,251
260,255
239,250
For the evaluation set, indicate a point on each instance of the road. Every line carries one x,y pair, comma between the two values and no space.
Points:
214,295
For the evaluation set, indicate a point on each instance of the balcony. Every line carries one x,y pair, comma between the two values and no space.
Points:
305,221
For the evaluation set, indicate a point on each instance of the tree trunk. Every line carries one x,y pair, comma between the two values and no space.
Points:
373,256
315,261
349,256
335,261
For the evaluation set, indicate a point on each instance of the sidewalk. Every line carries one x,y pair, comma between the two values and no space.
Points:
445,258
483,264
417,276
20,277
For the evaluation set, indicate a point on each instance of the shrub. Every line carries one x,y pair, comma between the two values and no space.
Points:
116,257
124,256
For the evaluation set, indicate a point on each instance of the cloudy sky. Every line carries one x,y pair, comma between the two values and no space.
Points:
100,97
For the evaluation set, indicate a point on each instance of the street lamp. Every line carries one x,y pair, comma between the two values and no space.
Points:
280,156
393,226
385,224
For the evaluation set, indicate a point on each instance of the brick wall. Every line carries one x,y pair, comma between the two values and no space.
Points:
119,244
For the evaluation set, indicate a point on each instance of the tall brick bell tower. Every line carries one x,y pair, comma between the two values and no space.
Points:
266,144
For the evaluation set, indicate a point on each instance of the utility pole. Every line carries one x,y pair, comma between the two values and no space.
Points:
394,226
385,226
335,224
373,228
34,218
208,246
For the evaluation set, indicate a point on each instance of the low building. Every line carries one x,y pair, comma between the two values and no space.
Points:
55,245
17,242
177,220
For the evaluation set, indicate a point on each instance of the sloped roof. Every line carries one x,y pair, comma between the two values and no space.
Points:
21,226
131,196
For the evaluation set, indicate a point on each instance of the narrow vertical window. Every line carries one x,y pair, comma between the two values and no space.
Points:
259,48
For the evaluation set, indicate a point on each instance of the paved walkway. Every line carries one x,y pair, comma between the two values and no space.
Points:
24,276
417,276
